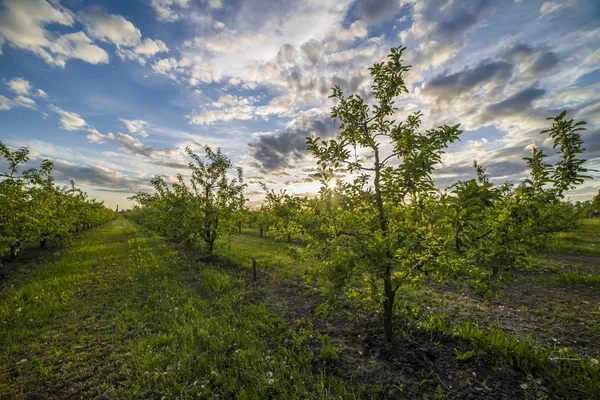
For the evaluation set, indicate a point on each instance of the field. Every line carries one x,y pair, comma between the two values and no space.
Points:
123,313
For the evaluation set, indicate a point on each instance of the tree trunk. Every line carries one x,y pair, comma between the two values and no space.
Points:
388,307
240,228
289,237
261,232
388,292
43,243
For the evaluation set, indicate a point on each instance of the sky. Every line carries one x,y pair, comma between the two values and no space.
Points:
114,91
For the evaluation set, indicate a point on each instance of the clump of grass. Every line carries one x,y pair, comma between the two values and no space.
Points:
328,352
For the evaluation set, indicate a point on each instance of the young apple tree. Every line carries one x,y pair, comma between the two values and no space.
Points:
380,228
203,209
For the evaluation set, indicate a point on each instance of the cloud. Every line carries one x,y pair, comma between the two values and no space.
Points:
115,29
134,146
544,63
19,86
24,87
275,151
438,37
229,108
376,11
109,27
136,126
96,175
5,103
446,88
76,45
171,164
150,47
516,104
69,121
169,10
23,25
97,137
24,102
534,62
550,7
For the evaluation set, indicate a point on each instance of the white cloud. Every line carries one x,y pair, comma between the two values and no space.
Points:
229,108
23,24
19,86
115,29
359,29
150,47
24,102
550,7
218,25
169,10
109,27
215,3
69,121
5,103
97,137
41,93
77,45
136,126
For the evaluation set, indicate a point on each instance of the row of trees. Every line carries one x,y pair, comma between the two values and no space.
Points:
389,226
34,209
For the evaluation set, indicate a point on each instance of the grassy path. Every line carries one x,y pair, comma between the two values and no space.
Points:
118,315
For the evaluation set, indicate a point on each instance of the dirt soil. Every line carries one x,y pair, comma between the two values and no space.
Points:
557,314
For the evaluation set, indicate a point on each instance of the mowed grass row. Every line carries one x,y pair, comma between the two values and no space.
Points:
120,315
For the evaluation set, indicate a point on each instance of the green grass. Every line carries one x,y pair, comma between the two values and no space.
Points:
118,315
583,241
282,260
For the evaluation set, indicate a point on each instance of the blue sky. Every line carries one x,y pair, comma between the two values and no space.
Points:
113,91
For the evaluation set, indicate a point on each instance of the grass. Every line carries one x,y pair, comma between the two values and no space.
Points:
281,259
583,241
120,316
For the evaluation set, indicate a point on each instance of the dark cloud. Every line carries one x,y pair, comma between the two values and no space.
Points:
297,181
134,146
519,52
540,59
287,54
376,11
102,178
517,104
545,63
312,50
445,87
171,164
276,151
461,20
